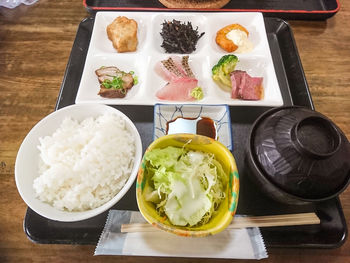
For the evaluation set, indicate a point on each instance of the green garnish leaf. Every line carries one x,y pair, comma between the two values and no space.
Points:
116,83
197,93
136,80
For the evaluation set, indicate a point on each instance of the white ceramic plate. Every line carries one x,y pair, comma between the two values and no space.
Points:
27,161
257,63
220,114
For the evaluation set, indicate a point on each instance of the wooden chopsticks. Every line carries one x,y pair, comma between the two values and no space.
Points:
243,222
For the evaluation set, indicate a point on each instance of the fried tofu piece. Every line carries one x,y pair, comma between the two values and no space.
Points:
123,34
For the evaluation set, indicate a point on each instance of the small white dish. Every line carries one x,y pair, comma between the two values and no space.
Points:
220,114
257,63
27,161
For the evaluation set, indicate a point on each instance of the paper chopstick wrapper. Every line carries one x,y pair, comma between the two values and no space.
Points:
242,243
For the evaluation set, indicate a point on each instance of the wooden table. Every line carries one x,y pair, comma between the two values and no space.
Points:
35,43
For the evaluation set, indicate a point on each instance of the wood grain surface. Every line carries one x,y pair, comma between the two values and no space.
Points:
35,43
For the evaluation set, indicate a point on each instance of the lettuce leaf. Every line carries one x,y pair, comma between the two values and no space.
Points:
189,184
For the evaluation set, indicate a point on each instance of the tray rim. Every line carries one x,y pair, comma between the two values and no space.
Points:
298,11
312,245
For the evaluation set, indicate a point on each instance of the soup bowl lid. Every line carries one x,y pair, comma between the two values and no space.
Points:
302,152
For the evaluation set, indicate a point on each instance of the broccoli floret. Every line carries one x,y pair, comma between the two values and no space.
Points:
221,71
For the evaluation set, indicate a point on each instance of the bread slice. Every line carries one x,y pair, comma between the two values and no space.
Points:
200,4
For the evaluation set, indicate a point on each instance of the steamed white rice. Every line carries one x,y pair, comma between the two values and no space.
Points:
85,164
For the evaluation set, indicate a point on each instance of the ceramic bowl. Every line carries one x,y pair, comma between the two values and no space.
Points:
27,161
228,206
297,155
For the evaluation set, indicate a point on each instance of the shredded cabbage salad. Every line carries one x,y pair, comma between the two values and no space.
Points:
188,186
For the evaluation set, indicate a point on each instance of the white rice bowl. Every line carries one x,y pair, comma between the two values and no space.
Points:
78,162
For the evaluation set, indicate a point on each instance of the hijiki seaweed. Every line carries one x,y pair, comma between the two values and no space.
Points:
179,37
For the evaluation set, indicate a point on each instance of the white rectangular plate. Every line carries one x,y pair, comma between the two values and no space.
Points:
257,63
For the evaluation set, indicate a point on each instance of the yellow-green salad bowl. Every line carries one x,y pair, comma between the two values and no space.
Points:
227,209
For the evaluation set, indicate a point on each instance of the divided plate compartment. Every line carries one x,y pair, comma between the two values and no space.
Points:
296,9
332,232
143,61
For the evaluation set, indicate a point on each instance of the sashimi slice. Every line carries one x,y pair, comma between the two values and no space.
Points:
186,66
178,62
163,72
183,65
178,89
174,67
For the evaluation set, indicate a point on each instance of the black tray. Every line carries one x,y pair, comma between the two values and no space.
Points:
332,231
286,9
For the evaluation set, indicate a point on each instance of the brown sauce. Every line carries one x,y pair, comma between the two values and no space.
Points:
202,126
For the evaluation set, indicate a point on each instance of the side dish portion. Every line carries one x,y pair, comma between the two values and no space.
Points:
85,164
115,83
234,38
188,185
179,37
221,71
78,162
245,87
240,84
123,34
182,84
